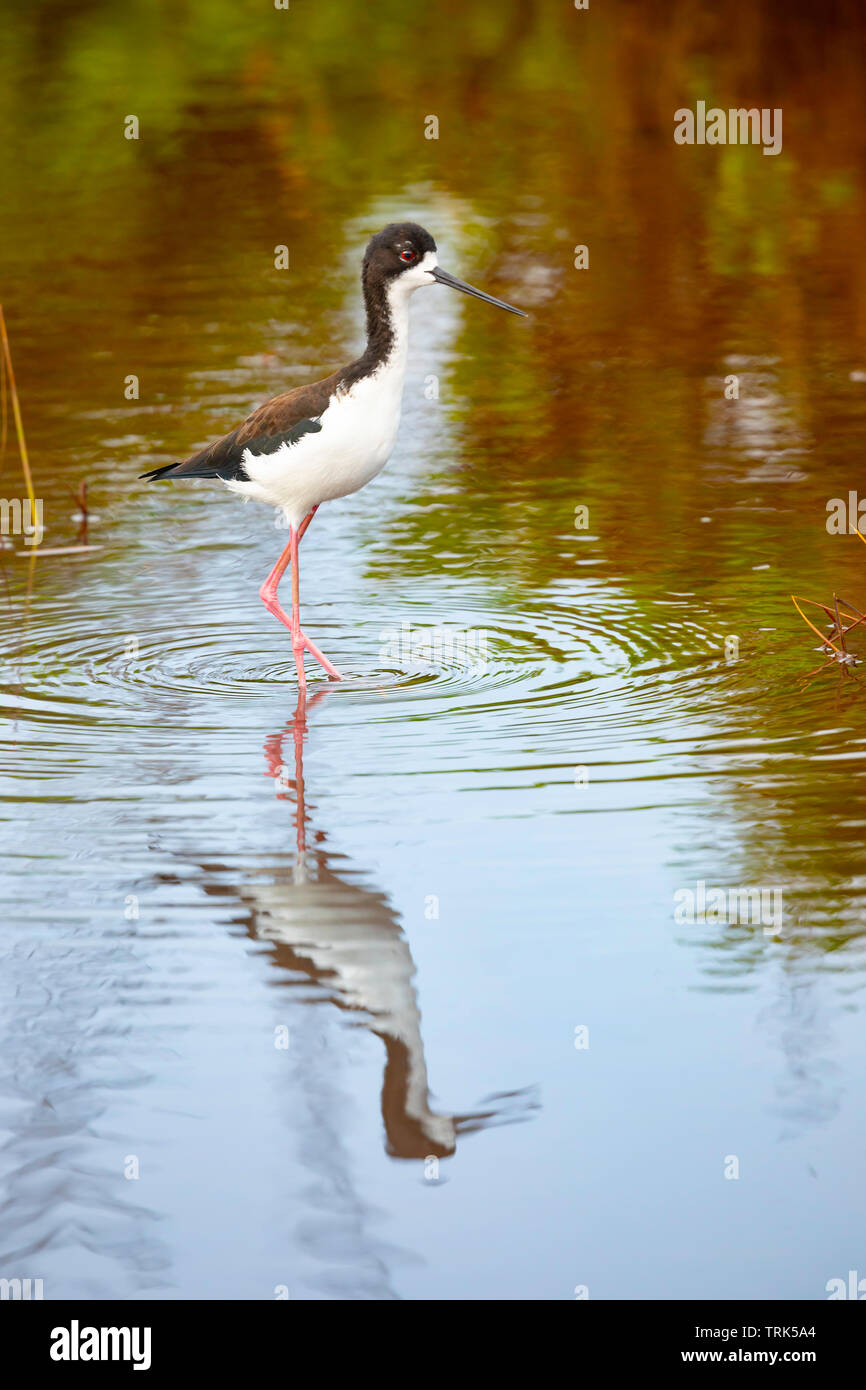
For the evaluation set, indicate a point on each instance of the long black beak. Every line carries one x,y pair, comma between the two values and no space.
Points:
443,278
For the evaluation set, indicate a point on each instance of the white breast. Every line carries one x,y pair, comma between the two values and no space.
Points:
358,431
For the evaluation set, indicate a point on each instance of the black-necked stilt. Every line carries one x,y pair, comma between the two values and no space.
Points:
329,439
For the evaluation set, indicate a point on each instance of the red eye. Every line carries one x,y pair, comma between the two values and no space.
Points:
407,255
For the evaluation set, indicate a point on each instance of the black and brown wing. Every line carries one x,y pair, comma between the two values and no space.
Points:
283,420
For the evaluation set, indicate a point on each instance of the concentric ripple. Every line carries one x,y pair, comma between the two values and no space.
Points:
72,674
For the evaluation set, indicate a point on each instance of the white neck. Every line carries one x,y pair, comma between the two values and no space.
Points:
398,308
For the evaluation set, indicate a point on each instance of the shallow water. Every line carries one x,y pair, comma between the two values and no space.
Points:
295,994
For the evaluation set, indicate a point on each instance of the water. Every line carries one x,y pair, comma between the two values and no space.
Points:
384,995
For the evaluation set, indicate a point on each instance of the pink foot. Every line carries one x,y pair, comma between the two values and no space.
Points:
322,660
300,641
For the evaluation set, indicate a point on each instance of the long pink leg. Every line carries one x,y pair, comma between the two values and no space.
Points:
271,583
306,521
268,595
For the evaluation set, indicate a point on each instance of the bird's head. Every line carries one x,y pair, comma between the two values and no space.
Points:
403,256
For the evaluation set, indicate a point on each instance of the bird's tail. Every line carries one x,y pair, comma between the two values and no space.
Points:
164,472
224,459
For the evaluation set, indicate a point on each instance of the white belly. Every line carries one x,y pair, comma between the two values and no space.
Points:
353,445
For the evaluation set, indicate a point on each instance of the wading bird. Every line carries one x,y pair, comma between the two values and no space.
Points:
327,440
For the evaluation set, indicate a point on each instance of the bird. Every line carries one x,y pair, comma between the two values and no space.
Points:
332,437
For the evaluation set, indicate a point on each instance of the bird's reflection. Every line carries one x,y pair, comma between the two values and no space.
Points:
345,937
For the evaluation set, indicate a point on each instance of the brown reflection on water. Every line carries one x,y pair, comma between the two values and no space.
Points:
555,129
700,259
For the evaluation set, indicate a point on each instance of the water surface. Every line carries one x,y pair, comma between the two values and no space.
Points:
316,971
